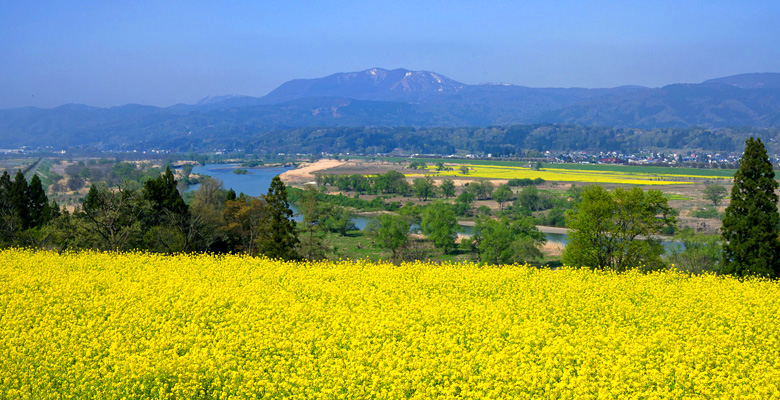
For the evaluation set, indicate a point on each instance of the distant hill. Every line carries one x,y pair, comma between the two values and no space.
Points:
714,104
750,81
373,84
392,98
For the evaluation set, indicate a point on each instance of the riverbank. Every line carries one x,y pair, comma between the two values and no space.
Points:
305,172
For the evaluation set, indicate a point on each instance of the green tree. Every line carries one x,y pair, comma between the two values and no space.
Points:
751,225
230,195
418,165
279,238
714,193
555,217
502,195
19,202
440,224
313,238
37,203
411,212
616,230
447,188
423,188
529,198
168,228
359,183
501,241
110,219
337,219
391,182
186,170
393,233
163,196
695,253
9,220
464,202
464,170
245,219
482,189
207,218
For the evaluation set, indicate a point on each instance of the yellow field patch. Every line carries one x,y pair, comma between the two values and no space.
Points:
112,326
568,175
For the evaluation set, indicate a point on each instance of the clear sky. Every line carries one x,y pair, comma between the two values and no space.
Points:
107,53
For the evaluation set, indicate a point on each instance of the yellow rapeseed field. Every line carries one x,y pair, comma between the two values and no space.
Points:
570,175
113,326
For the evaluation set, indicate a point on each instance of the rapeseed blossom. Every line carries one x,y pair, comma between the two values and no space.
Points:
138,325
570,175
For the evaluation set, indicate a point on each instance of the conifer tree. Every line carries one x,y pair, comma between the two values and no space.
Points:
280,237
7,215
37,203
231,195
18,198
751,226
163,195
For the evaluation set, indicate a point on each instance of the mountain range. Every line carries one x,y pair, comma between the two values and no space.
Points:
399,97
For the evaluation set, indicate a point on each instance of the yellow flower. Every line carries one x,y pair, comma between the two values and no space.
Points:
139,325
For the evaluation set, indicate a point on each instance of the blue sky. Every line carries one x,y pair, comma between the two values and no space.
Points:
108,53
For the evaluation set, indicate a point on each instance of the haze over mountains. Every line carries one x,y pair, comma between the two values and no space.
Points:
379,97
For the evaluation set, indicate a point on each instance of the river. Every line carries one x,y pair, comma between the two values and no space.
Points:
253,183
257,181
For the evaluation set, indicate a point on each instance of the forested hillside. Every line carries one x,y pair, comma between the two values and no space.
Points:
421,100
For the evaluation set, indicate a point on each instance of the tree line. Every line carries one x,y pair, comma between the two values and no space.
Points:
153,218
500,141
615,230
619,230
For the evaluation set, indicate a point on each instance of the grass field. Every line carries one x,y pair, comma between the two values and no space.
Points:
113,326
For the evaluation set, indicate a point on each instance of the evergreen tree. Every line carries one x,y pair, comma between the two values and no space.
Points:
280,236
7,215
55,209
37,203
751,226
18,199
231,195
168,227
163,195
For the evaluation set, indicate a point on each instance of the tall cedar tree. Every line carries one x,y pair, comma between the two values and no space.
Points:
280,238
8,223
163,196
18,197
39,211
751,226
